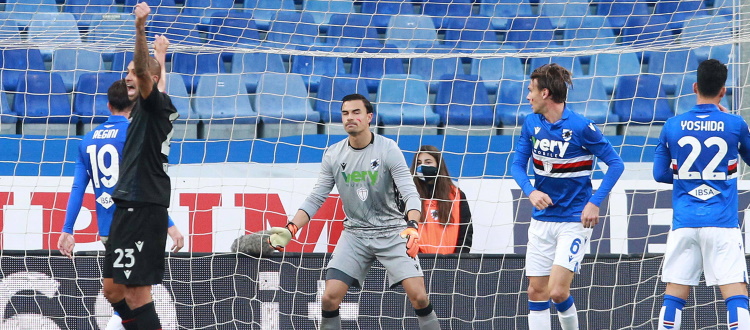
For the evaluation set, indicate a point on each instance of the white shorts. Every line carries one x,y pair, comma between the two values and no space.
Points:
718,252
556,243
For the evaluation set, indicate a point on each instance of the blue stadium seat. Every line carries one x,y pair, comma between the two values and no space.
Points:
649,30
433,71
167,22
120,61
491,70
726,8
679,12
464,101
672,66
252,65
618,11
382,11
330,93
16,62
407,31
265,10
502,11
223,99
700,28
87,11
42,98
192,66
589,32
372,69
151,3
9,31
283,98
641,99
90,97
7,115
589,98
321,10
180,99
511,106
686,98
291,30
236,29
50,30
72,63
313,68
572,63
530,34
22,11
562,12
404,100
349,32
470,33
607,67
116,30
441,10
200,11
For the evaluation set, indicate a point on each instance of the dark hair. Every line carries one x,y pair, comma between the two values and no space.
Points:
443,185
154,67
354,97
554,78
712,75
117,95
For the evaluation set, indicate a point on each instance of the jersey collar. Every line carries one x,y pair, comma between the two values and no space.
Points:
705,107
117,119
565,115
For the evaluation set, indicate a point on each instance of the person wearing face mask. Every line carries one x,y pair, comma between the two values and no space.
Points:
446,217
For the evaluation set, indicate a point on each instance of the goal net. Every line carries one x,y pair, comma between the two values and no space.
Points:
257,84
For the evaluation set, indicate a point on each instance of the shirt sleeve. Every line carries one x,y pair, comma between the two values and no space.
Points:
322,188
81,179
594,141
402,178
744,148
521,161
662,170
170,223
466,231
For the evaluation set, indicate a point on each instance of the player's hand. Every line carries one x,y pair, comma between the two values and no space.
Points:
161,44
590,215
177,238
540,200
281,236
65,244
411,233
141,12
723,108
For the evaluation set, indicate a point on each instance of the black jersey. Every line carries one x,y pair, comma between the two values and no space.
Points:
143,171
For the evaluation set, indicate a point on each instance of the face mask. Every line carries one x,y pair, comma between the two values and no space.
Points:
426,172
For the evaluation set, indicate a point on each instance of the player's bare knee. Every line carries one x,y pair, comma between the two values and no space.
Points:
330,301
537,292
420,300
112,291
559,295
137,296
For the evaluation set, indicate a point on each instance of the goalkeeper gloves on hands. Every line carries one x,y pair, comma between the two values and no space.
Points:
411,233
281,236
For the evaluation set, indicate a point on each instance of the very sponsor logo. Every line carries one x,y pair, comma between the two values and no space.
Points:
550,148
360,176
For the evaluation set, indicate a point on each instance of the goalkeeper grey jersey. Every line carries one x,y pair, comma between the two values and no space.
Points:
372,183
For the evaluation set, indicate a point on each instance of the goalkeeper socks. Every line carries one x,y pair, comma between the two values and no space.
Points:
146,318
670,316
738,317
567,314
427,318
539,317
331,320
122,309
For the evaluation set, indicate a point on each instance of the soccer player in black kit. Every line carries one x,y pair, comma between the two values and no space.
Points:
135,250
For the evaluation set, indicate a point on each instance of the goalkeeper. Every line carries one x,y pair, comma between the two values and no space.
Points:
373,180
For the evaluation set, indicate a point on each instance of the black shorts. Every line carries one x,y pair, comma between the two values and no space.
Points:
135,248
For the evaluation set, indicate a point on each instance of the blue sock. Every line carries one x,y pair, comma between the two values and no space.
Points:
734,304
538,305
671,307
565,304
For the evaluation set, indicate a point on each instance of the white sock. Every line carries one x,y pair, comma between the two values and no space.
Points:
540,320
115,323
677,320
569,318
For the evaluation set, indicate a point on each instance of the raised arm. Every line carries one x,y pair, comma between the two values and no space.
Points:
140,56
161,44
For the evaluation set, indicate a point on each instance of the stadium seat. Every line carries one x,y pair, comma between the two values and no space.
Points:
52,30
698,29
167,22
649,30
330,93
41,98
588,97
442,10
283,98
349,32
193,66
464,101
16,62
672,66
433,71
589,32
88,11
154,4
235,29
9,31
291,30
72,63
200,11
607,67
252,65
725,8
372,69
90,97
679,12
502,11
322,10
313,68
511,106
382,11
572,63
641,99
23,11
404,100
562,12
265,10
530,34
470,33
120,61
7,115
407,31
492,70
618,11
117,29
180,99
223,99
686,98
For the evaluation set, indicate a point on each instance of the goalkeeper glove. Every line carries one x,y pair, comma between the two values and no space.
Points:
280,236
411,233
